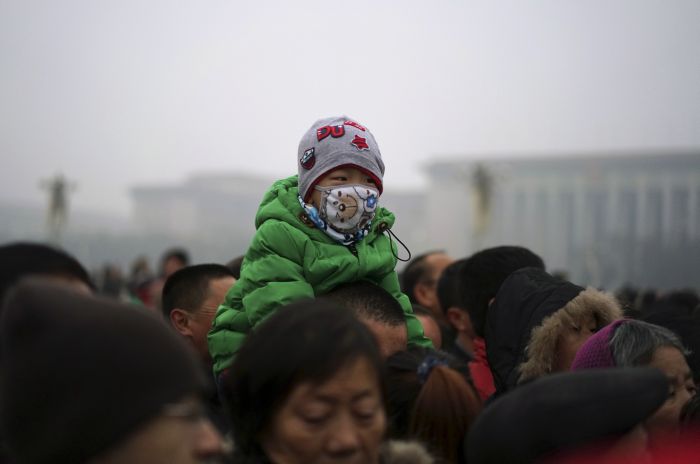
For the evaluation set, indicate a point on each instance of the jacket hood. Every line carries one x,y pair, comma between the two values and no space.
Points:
524,300
542,346
281,202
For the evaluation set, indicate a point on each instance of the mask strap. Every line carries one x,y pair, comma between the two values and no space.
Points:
391,234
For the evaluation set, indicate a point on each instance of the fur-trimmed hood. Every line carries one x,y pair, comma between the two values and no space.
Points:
541,349
524,323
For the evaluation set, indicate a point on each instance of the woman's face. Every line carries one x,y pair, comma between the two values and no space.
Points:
340,420
666,419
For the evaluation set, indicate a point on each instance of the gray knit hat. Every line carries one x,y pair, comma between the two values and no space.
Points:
334,142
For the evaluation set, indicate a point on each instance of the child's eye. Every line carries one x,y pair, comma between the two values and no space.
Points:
340,178
371,181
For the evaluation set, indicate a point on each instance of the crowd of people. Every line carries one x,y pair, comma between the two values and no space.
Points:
311,348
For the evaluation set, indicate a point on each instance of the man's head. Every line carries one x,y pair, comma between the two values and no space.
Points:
378,310
93,379
191,297
420,280
22,259
482,274
334,143
449,296
172,260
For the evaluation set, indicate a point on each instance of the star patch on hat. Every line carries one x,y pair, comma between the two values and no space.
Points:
360,143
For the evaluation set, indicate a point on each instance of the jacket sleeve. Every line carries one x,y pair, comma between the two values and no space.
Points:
272,276
390,283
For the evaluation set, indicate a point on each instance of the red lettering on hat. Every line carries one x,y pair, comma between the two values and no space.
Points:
355,125
360,143
333,131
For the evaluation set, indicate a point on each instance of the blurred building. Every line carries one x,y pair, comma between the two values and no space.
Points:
211,215
214,214
605,220
205,205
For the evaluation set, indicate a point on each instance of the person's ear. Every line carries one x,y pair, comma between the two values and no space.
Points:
424,294
181,322
456,318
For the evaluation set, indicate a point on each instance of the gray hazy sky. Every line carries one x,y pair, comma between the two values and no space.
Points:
115,93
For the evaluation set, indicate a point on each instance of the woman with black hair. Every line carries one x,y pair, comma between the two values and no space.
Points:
308,386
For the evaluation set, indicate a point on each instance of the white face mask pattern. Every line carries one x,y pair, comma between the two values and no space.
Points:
359,211
348,208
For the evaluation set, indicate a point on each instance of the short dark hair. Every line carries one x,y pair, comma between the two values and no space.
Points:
187,288
482,274
414,271
368,301
306,341
22,259
448,286
178,253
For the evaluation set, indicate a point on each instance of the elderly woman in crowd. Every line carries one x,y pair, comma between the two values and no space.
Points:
627,343
308,387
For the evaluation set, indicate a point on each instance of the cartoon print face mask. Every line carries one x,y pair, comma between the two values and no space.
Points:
347,208
351,209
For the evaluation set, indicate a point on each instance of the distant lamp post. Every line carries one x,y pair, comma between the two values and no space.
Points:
57,217
482,185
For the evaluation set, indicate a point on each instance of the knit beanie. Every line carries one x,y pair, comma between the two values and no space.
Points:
596,352
335,142
79,374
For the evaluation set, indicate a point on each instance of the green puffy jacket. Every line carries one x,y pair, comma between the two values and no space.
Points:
289,258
